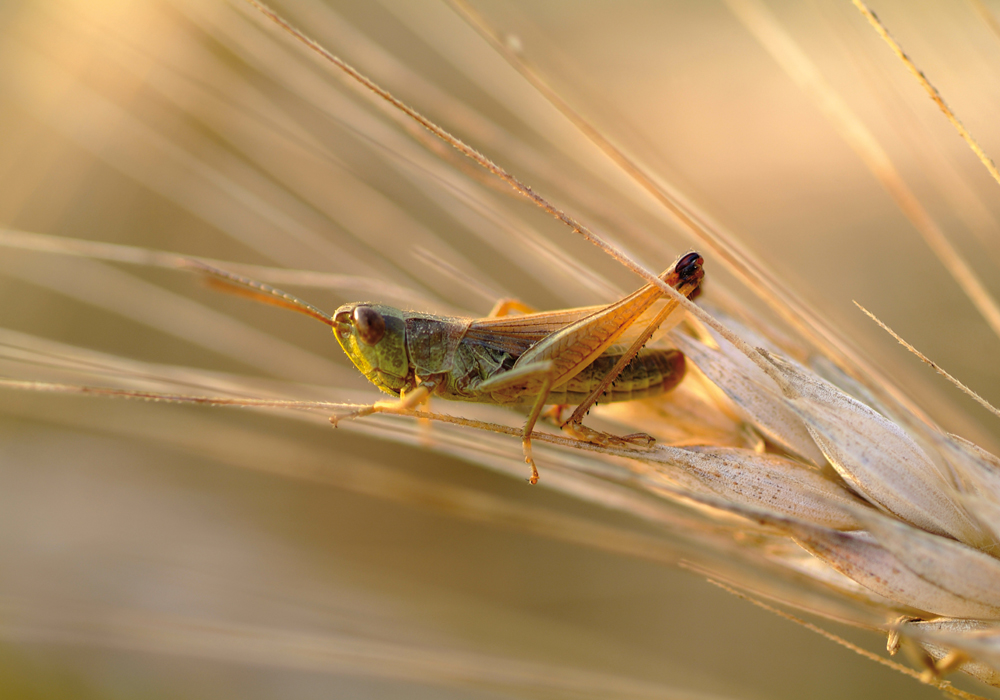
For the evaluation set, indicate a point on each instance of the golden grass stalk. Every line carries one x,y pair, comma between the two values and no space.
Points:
216,546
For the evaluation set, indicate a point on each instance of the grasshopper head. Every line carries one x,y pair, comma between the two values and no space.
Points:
374,338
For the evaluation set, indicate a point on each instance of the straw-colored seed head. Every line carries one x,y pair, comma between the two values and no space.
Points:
926,546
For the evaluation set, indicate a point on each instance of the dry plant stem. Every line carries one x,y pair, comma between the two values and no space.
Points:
346,411
933,365
53,387
942,685
762,23
351,409
147,257
931,90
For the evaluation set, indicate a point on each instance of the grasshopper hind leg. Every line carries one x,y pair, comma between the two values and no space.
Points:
671,365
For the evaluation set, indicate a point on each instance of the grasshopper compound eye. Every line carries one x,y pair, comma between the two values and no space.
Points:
369,324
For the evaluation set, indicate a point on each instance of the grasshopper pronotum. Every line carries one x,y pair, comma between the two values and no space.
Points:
572,356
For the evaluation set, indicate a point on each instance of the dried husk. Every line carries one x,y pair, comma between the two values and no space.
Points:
857,556
754,394
767,481
876,457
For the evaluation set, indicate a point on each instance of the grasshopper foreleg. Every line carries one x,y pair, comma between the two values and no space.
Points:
406,402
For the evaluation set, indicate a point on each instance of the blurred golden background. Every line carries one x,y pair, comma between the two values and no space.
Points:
159,550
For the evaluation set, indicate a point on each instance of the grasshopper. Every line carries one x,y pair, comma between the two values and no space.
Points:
572,356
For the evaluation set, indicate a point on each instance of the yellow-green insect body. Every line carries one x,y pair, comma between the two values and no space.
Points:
398,350
537,358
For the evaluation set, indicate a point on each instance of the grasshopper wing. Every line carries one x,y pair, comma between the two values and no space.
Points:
515,334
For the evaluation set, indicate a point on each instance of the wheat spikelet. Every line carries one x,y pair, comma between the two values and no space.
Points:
787,466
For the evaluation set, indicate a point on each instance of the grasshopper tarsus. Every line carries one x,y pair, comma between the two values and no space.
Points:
533,479
529,459
599,437
639,439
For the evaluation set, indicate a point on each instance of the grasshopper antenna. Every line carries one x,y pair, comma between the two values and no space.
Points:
232,283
